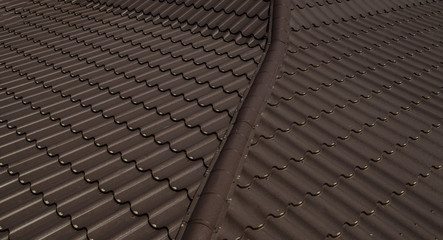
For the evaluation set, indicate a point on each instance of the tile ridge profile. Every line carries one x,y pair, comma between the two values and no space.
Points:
212,203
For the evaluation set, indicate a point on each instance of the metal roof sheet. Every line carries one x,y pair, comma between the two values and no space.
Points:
112,111
350,142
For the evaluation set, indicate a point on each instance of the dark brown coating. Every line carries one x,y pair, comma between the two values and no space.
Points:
350,143
111,111
191,119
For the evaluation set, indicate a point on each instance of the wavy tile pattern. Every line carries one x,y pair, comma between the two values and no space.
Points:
112,111
350,143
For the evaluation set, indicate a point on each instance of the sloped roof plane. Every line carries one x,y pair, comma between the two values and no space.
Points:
112,111
349,144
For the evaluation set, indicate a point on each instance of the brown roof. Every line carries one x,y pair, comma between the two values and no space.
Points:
112,111
221,119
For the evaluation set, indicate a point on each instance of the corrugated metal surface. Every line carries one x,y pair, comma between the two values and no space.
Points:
112,111
350,143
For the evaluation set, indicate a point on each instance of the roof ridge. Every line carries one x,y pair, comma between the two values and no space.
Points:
211,203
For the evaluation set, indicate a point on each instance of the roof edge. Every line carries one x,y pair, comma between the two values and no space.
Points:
212,203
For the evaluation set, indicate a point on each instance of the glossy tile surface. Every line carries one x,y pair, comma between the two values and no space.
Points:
350,144
111,111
